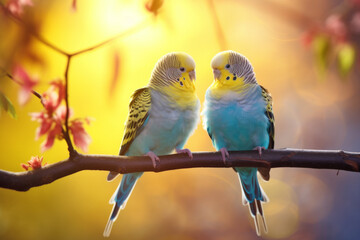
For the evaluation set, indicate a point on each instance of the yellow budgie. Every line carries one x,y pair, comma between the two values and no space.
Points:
161,118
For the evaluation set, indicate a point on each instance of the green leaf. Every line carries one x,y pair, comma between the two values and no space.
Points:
346,59
7,105
321,46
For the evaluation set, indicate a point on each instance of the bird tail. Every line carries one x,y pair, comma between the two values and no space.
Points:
252,194
120,198
111,176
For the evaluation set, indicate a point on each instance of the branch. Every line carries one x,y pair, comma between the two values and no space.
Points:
128,32
299,158
36,94
20,22
66,131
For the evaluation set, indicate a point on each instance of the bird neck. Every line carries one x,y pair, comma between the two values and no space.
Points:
175,97
219,90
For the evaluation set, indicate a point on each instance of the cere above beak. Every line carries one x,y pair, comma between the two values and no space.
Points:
217,73
192,75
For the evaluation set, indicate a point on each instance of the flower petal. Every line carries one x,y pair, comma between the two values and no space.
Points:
35,162
24,166
24,96
49,142
44,127
27,84
80,136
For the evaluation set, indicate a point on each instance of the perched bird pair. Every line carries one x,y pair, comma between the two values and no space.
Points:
237,116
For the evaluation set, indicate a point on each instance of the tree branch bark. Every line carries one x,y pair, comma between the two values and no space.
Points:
298,158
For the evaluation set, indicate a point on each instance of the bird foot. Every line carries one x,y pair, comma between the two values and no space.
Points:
153,157
224,154
185,150
259,149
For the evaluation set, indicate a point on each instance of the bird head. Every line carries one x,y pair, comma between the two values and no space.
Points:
232,70
174,72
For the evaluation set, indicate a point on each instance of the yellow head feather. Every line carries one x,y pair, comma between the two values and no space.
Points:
232,72
174,75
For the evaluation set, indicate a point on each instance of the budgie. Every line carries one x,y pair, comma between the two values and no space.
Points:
161,118
238,116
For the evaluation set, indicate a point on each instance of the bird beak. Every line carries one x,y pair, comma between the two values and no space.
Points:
217,73
192,75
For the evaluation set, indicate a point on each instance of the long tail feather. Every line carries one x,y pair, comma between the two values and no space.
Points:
108,228
253,212
259,206
120,198
252,194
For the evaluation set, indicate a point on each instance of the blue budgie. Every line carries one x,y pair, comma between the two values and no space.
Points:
238,116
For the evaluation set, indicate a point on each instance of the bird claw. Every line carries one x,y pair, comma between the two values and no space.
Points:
224,154
153,157
259,149
185,150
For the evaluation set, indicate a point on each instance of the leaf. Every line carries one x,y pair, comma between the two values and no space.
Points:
116,73
74,5
321,46
346,59
7,105
27,83
154,5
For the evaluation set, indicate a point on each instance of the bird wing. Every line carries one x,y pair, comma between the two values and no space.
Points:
209,132
269,114
139,107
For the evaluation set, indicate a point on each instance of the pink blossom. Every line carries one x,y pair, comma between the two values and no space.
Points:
52,119
52,98
16,7
55,132
51,124
24,166
34,163
336,27
27,84
80,136
45,123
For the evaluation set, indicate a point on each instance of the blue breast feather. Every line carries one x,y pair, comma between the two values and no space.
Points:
161,134
237,124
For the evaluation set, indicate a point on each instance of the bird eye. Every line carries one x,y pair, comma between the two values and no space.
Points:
182,69
227,66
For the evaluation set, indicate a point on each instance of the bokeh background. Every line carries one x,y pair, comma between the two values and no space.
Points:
313,109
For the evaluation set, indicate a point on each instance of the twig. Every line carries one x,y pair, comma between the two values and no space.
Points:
66,132
65,53
126,33
40,38
36,94
296,158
